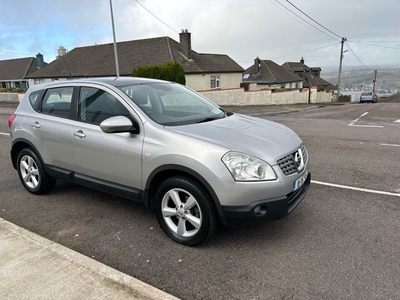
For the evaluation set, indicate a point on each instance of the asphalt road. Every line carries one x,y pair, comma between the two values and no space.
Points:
342,242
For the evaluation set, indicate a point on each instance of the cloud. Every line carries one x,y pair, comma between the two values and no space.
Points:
242,29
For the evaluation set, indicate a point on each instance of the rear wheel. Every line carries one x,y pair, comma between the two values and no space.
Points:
32,173
184,211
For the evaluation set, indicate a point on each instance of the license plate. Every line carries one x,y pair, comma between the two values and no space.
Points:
299,182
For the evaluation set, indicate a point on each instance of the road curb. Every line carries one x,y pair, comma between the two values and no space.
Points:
113,278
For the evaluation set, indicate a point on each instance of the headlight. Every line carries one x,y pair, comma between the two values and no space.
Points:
244,167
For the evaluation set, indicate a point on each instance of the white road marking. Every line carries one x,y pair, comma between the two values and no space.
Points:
368,126
356,120
397,121
2,133
355,188
391,145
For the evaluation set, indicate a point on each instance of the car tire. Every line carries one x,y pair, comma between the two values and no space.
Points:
185,211
32,173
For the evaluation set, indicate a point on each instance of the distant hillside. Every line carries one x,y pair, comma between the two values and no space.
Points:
357,79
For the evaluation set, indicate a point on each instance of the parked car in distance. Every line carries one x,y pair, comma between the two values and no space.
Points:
187,160
368,96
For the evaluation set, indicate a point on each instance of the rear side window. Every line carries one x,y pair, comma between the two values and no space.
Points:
96,105
57,102
33,99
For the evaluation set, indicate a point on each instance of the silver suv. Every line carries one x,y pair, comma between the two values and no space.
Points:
191,162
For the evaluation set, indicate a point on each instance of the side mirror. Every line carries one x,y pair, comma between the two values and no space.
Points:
117,124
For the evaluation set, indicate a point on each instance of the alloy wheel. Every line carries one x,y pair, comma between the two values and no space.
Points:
30,172
181,212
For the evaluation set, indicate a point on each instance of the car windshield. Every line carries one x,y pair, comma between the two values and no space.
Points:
172,104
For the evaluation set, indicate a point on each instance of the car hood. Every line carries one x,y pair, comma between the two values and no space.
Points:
258,137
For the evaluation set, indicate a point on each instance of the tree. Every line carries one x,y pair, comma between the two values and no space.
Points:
170,71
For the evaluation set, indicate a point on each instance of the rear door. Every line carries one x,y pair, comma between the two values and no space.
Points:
49,127
112,159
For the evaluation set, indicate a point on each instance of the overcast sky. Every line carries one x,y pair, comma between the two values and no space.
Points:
242,29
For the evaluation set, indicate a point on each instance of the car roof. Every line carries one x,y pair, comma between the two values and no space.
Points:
120,81
114,81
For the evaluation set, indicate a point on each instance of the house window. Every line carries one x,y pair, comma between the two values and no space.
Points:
214,81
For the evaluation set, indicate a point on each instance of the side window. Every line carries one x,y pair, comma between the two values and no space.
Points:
34,99
57,101
96,105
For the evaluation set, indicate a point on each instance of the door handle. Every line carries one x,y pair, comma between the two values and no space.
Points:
35,124
79,134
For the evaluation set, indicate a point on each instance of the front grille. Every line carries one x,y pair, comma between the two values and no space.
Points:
288,164
305,154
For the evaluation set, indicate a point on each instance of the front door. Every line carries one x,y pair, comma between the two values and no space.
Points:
109,157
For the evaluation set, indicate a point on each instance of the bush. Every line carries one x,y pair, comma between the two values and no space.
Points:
12,90
344,98
170,71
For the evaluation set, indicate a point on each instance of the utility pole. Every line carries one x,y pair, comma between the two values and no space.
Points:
340,65
115,42
373,89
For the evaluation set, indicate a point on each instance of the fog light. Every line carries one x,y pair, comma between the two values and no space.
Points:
260,210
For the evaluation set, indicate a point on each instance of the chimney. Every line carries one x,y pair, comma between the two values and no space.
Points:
61,51
257,65
39,61
185,43
302,60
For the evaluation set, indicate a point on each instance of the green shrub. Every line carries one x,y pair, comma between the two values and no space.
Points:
12,90
170,71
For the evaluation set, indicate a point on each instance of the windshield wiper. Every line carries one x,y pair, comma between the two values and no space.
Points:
208,119
226,113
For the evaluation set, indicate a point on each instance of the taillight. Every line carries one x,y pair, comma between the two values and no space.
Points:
11,120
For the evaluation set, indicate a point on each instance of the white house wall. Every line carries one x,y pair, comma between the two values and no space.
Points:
265,97
260,97
201,82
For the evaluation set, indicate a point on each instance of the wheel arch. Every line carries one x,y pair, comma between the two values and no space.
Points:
166,171
17,146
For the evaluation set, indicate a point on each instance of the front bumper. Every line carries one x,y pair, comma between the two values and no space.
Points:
265,209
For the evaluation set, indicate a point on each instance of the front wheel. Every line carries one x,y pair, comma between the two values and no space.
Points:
185,211
32,173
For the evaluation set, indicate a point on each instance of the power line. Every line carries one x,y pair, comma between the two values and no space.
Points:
377,41
312,19
306,51
298,17
379,46
325,54
156,17
352,52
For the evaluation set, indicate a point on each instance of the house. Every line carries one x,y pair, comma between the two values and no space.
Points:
266,73
202,71
14,72
311,76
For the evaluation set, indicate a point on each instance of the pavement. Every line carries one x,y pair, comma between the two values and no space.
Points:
32,267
